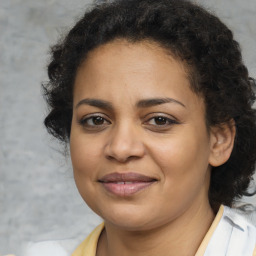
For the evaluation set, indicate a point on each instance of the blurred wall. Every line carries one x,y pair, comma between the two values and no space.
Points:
38,198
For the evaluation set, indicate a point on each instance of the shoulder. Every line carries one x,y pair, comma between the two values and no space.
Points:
64,247
46,248
249,216
240,221
244,229
89,245
235,234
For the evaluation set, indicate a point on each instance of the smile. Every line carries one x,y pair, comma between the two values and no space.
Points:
126,184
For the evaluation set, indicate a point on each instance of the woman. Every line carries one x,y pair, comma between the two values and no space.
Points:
156,105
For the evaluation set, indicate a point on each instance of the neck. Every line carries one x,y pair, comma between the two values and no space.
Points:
168,239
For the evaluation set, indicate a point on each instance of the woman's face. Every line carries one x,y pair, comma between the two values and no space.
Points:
139,144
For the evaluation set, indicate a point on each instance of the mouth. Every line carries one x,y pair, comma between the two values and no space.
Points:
126,184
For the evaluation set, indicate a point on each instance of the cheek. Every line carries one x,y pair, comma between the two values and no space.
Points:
185,170
83,154
85,165
83,158
183,155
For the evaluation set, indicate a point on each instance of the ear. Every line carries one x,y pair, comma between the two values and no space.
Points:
222,138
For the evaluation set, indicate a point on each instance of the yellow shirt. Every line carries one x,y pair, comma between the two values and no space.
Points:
89,246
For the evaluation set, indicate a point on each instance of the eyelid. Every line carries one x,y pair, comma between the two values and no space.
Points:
82,120
170,122
95,114
159,114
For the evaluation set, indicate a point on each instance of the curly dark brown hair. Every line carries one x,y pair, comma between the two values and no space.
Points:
191,34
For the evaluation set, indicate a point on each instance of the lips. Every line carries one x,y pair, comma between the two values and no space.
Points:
126,184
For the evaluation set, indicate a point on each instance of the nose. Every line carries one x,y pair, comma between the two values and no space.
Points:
125,143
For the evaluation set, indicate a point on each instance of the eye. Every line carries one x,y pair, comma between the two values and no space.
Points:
94,122
160,122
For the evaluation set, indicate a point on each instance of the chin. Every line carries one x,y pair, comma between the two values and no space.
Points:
127,217
130,219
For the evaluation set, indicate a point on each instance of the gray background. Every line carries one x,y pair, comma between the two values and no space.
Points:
38,198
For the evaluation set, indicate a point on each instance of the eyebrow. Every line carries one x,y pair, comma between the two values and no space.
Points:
140,104
157,101
96,103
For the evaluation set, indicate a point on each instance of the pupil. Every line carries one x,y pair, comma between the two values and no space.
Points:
160,120
98,120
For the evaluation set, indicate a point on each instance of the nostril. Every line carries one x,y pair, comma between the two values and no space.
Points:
124,144
121,159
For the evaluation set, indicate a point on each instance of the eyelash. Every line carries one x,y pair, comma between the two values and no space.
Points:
85,122
168,122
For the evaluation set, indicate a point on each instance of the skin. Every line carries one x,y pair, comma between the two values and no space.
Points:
171,216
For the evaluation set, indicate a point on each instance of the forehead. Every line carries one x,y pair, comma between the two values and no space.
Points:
135,55
141,69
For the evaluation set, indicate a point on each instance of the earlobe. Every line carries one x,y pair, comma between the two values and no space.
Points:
222,141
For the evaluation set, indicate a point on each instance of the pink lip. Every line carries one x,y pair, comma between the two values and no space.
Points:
126,184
